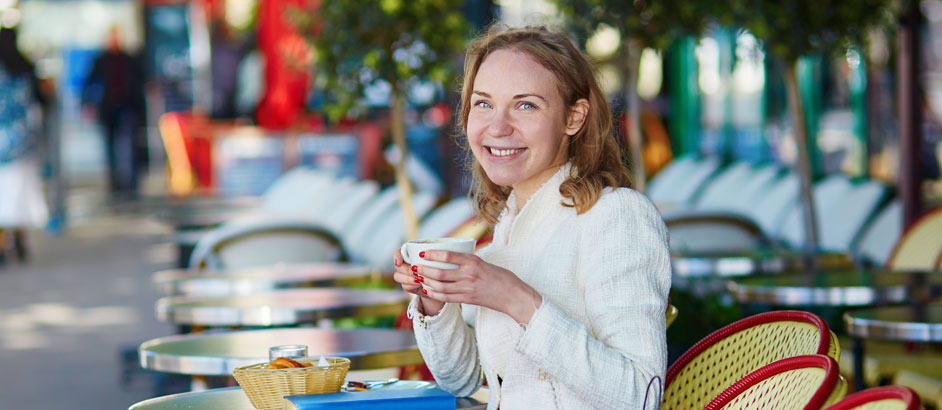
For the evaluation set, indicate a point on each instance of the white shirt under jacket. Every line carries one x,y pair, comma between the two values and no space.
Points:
597,341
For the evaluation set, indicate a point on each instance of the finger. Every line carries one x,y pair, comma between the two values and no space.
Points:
406,279
405,269
443,297
444,288
429,272
456,258
397,258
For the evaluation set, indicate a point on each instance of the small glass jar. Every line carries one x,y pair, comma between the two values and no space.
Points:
289,351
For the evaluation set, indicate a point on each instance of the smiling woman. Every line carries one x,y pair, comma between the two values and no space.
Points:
566,307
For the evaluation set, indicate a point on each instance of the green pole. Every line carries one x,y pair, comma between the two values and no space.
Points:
858,105
809,85
685,97
727,40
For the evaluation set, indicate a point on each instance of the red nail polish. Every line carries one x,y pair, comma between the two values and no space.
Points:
424,291
416,281
422,254
415,268
419,279
396,261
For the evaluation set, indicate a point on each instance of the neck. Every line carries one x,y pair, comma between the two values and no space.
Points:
524,191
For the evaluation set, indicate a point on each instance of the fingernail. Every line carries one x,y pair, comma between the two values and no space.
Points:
396,261
415,268
424,291
419,279
422,254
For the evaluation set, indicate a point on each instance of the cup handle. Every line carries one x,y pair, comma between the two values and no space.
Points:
405,253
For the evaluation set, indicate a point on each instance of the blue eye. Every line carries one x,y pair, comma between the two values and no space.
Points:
482,104
527,106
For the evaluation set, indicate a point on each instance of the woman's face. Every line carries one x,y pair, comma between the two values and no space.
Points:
516,126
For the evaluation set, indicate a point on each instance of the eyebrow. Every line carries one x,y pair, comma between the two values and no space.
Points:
516,97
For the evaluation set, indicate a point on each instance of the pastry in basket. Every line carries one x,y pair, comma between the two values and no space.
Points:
286,363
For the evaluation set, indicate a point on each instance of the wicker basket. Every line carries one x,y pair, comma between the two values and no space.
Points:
266,387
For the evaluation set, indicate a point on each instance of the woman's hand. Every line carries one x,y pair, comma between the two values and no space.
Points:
477,282
411,284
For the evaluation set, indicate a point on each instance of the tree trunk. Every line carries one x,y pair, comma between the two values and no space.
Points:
402,179
804,160
633,110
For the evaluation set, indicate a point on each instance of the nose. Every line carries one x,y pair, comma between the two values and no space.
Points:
500,125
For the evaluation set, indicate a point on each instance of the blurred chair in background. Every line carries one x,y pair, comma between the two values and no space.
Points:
875,244
770,210
920,247
713,232
265,241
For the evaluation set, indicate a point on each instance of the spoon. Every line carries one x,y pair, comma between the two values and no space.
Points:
378,383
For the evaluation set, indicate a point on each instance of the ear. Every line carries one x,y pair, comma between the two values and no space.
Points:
577,116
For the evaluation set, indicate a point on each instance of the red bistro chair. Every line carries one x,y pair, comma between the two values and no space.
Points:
797,383
729,354
880,398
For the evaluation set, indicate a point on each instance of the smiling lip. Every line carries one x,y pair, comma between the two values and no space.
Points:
505,152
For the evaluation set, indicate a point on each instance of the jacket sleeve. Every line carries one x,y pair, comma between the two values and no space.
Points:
449,348
619,356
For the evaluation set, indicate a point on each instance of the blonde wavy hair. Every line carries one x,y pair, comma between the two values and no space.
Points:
595,156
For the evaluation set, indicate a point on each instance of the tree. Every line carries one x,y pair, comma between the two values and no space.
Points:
641,24
791,29
386,43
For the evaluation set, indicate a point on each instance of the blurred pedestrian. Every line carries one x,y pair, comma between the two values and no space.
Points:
22,204
115,85
226,55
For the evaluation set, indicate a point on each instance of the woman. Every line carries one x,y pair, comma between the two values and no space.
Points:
22,204
565,308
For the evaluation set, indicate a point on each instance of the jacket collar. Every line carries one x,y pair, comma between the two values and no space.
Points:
546,201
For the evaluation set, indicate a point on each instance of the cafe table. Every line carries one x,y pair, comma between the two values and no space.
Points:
280,307
914,323
708,272
232,398
218,353
837,288
261,279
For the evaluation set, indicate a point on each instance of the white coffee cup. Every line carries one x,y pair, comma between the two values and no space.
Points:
410,250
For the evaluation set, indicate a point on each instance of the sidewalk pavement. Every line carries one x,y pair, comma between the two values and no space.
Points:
83,298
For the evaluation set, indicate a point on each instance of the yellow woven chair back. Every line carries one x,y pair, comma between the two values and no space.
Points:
796,383
880,398
729,354
920,247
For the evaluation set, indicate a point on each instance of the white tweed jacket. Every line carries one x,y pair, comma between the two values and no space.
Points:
598,339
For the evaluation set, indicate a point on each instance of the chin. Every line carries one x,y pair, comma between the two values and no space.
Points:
501,180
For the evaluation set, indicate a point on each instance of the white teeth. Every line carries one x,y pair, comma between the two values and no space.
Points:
505,152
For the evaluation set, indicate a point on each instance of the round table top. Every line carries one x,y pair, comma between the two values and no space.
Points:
921,323
281,307
232,398
260,279
192,220
837,288
218,353
733,264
